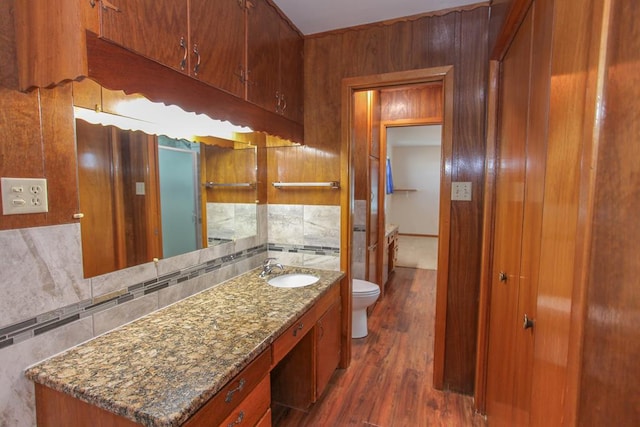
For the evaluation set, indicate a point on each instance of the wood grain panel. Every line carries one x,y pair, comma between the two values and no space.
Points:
157,37
537,135
95,191
221,45
561,200
424,102
436,41
502,367
57,409
361,146
470,71
609,382
263,44
229,166
291,73
58,138
20,118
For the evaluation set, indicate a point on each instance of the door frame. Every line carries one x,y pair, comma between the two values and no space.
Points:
380,81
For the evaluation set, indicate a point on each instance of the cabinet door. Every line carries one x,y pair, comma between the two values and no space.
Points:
506,376
327,347
263,34
291,73
152,28
217,33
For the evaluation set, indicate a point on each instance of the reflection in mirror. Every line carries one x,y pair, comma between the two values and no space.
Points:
142,197
134,212
178,175
229,175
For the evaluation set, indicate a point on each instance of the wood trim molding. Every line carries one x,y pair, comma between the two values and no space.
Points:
515,16
491,159
379,81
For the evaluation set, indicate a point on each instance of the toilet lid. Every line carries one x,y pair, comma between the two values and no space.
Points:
362,286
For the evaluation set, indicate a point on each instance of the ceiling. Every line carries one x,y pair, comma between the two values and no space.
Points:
317,16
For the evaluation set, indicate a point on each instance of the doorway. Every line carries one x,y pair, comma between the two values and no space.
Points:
406,79
412,196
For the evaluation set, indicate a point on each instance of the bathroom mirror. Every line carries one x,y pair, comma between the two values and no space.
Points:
155,181
145,196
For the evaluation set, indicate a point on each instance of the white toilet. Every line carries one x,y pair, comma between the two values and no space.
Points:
363,295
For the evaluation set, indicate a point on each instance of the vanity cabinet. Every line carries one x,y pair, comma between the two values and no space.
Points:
246,397
301,375
327,347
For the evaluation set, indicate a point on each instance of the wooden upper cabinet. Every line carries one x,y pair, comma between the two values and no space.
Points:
218,35
263,36
290,92
156,29
274,62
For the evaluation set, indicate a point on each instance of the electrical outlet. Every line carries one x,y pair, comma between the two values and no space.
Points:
24,195
461,191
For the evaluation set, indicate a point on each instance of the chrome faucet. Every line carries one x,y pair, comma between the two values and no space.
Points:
267,266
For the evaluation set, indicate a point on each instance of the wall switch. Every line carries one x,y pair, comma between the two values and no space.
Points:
461,191
24,195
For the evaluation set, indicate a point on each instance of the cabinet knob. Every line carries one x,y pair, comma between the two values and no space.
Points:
527,323
502,276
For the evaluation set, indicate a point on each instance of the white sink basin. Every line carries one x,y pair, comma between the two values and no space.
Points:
293,280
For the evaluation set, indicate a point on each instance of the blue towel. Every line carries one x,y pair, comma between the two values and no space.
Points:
389,177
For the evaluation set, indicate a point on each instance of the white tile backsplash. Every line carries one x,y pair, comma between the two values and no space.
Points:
17,401
41,271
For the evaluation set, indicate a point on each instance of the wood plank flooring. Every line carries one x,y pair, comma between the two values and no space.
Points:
389,382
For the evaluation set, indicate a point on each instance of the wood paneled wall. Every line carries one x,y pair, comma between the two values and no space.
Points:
38,136
458,39
609,386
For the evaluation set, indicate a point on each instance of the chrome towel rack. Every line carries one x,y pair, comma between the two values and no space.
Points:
230,184
330,184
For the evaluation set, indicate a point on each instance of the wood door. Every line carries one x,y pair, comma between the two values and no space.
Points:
152,28
327,347
505,327
263,35
96,192
218,33
291,73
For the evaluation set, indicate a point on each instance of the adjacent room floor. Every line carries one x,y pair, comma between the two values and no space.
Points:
389,382
417,252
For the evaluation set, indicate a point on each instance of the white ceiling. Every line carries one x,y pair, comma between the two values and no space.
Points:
317,16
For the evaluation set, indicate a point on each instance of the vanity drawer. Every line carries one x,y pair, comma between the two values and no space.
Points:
293,335
253,408
229,397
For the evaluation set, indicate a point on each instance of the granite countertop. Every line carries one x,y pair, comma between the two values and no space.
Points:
160,369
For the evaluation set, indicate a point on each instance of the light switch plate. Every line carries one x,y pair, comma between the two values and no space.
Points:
461,191
24,195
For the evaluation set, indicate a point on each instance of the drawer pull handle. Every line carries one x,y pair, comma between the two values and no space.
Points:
238,420
299,328
231,392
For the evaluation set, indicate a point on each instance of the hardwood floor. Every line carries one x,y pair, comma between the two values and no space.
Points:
389,382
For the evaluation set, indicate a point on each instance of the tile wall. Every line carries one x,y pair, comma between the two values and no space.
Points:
47,306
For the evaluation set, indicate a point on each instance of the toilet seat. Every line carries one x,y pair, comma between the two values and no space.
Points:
364,288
